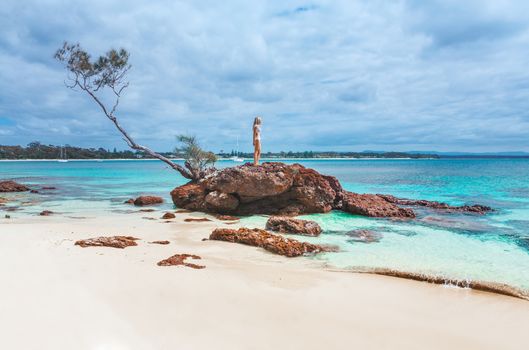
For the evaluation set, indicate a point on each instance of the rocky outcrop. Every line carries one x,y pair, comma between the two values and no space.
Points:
148,200
472,209
273,243
285,224
113,241
373,205
12,186
180,259
281,189
272,188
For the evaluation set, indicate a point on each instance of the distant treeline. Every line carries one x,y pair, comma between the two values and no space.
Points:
36,150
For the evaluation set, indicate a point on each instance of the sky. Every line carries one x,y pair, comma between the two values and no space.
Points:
349,75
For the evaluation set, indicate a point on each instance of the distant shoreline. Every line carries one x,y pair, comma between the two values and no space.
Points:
274,159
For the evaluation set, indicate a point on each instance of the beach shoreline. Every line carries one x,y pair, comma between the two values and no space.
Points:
244,298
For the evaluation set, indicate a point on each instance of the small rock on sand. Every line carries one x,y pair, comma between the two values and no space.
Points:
179,259
168,216
160,242
196,220
112,241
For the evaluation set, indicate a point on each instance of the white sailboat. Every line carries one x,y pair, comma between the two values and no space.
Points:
62,158
236,157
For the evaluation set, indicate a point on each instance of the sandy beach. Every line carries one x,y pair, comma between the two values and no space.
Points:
59,296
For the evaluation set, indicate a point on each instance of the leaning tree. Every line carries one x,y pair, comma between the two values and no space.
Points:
108,73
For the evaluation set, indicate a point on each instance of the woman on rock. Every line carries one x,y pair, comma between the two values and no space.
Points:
256,140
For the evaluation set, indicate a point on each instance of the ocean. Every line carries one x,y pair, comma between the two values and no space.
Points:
493,247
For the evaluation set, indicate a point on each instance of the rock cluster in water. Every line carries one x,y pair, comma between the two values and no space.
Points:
12,186
273,243
279,189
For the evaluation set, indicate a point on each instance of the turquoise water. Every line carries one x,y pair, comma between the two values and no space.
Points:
494,247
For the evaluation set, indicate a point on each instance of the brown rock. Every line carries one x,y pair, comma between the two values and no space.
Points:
129,201
168,216
190,196
113,241
221,202
182,211
196,220
149,210
226,217
45,213
473,209
34,191
148,200
289,225
273,243
160,242
12,186
373,205
179,259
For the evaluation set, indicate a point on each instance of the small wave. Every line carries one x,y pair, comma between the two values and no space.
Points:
484,286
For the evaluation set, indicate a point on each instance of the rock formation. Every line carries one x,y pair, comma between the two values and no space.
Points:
12,186
273,243
148,200
285,224
113,241
280,189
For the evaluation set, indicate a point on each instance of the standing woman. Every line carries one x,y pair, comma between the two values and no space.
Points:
256,140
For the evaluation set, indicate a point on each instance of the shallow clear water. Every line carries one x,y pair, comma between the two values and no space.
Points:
494,247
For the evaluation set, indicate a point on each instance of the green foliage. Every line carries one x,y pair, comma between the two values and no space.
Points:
106,71
198,161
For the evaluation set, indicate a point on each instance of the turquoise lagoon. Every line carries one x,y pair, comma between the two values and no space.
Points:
492,248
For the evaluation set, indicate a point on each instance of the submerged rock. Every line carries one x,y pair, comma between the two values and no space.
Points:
112,241
474,209
45,213
180,259
364,236
148,200
129,201
273,243
12,186
289,225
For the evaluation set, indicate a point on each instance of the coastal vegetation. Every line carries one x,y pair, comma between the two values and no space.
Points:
38,150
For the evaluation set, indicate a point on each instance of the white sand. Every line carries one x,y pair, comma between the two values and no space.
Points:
55,295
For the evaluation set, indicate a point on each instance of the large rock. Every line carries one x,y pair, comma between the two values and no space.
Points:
289,225
273,243
271,188
12,186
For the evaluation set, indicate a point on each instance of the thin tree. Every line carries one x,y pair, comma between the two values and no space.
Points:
107,72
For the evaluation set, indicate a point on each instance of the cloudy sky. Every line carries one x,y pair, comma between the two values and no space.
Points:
445,75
